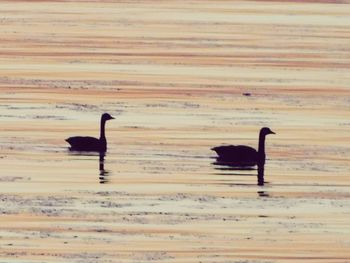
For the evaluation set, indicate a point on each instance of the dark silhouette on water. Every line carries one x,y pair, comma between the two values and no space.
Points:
242,155
263,194
103,173
231,169
261,174
91,144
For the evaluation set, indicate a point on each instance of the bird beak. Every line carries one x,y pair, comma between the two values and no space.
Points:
271,132
112,118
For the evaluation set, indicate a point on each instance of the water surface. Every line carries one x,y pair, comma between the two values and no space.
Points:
180,78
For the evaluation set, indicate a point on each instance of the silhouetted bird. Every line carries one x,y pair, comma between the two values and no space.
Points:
79,143
242,155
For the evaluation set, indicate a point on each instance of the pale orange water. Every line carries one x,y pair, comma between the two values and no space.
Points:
173,73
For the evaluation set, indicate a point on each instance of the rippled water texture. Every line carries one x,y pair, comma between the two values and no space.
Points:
180,77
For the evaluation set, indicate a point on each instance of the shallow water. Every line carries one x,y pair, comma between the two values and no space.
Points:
180,78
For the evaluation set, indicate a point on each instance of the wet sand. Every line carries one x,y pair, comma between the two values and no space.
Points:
180,77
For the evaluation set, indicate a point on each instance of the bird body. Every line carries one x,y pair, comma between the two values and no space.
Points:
242,155
85,143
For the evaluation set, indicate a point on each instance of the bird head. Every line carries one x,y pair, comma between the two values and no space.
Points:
265,131
106,117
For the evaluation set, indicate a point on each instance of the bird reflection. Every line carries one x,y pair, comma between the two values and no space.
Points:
228,166
261,174
263,194
104,174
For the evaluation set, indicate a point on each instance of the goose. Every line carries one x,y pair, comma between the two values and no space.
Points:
79,143
242,155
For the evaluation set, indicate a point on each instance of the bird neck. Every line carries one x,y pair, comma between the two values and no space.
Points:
102,130
261,149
